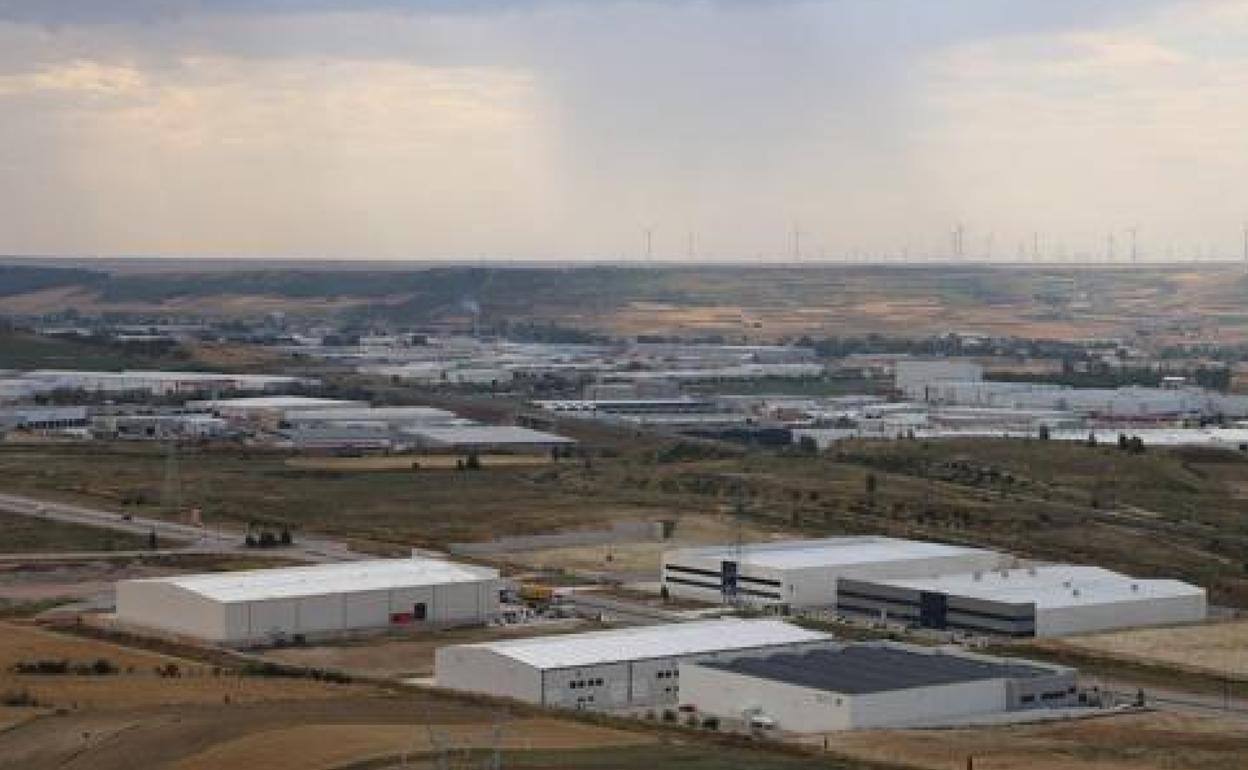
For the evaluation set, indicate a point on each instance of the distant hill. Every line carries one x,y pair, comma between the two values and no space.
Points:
734,302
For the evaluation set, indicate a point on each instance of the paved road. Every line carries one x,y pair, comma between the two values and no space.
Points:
194,539
1177,700
623,609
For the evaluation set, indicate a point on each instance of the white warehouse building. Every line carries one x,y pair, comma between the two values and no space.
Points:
1041,600
258,607
804,573
615,669
916,377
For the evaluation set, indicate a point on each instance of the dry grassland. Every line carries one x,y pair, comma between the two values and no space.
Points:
1155,741
137,683
413,462
1218,648
642,557
325,746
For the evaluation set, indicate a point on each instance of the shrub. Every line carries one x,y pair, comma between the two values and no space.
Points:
169,671
41,667
103,667
18,698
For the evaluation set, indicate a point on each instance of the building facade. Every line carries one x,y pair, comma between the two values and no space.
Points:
616,669
804,573
260,607
871,685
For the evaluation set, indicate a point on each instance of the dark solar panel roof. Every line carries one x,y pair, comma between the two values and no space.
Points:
859,669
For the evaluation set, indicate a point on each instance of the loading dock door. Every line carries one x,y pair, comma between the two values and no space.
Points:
932,609
728,578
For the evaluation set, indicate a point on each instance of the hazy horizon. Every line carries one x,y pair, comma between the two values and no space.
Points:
558,130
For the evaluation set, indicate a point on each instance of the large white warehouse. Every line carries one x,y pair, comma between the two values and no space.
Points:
870,685
803,573
258,607
915,377
1046,600
269,409
612,669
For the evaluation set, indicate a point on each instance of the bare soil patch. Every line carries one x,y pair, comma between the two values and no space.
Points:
407,658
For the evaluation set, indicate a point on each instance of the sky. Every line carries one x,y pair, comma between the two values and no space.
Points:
756,130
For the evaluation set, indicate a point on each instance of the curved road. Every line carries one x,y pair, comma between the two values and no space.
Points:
195,539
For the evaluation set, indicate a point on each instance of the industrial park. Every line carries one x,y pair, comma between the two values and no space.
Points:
575,385
713,599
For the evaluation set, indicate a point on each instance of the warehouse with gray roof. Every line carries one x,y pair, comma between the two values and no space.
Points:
870,685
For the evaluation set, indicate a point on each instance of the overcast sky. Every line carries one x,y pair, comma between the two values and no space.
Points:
568,128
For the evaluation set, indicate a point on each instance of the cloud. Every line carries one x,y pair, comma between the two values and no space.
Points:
85,78
566,128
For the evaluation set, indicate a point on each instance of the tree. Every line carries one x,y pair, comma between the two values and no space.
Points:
1091,440
807,445
871,484
1044,433
473,463
1123,442
152,542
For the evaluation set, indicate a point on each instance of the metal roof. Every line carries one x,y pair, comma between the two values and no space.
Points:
486,434
322,579
828,552
1049,586
866,668
646,642
371,413
275,402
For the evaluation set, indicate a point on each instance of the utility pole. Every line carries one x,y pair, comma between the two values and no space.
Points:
1135,251
649,244
171,489
1246,244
